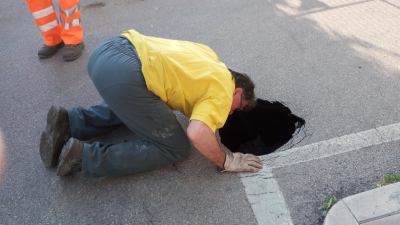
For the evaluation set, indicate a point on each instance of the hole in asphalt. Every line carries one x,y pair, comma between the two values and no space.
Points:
262,130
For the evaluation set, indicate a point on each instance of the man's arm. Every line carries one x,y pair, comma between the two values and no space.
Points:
206,142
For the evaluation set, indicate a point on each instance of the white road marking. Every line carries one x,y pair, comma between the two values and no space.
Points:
263,190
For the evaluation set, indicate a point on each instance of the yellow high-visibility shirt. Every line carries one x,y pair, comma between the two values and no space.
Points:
187,76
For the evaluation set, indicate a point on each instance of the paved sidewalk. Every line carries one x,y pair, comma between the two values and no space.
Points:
380,206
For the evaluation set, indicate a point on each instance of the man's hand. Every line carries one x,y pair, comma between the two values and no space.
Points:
239,162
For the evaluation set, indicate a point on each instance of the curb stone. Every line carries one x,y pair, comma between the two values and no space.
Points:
380,206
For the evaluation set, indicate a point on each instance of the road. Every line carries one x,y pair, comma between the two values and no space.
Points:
334,62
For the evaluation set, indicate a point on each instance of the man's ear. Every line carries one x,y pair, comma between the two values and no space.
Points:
238,91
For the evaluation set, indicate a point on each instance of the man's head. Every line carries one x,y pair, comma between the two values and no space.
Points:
243,95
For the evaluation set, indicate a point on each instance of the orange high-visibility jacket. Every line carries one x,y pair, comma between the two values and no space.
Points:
67,29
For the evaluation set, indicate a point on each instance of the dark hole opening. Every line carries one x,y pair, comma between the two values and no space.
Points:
262,130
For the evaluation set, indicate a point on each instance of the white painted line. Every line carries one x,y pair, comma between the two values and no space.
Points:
333,146
263,190
265,198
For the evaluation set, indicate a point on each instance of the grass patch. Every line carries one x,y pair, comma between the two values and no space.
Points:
328,203
389,179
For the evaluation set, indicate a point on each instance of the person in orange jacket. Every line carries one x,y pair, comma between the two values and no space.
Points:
65,31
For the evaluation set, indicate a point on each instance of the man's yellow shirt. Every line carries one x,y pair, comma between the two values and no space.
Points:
187,76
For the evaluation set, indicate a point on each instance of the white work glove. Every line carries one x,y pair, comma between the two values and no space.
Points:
239,162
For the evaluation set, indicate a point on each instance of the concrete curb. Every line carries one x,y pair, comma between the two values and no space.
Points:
380,206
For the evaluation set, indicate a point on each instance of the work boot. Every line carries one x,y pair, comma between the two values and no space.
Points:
72,52
47,51
56,134
71,158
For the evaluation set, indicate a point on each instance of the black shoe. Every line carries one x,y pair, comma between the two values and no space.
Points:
71,158
72,52
48,51
56,134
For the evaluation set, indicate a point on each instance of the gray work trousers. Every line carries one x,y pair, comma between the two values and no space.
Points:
115,70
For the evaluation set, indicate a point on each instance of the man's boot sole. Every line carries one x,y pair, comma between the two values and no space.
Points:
51,141
71,156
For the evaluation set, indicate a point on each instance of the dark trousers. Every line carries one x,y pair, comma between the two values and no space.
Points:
115,70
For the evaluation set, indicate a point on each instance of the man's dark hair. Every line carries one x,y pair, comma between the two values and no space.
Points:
243,81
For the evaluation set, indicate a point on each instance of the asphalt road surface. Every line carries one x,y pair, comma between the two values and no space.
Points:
333,62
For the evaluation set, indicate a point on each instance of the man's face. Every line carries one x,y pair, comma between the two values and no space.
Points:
239,102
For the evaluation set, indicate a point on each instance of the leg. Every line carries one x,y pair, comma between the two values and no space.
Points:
115,70
71,29
161,139
46,20
77,122
92,122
